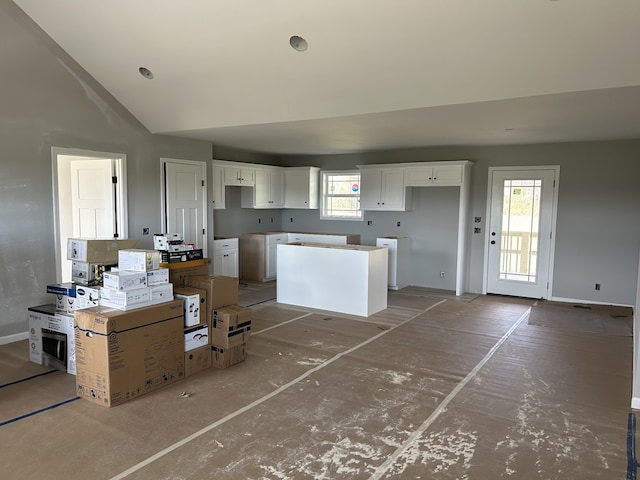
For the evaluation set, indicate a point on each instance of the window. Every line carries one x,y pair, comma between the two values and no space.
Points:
341,195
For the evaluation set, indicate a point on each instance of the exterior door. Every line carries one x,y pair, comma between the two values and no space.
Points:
185,201
93,198
520,236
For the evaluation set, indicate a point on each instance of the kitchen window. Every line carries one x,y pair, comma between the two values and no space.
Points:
341,195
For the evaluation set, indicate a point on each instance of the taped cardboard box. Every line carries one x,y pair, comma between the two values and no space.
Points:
221,290
230,326
97,251
123,355
179,271
222,357
197,360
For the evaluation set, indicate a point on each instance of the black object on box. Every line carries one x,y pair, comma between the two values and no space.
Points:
177,257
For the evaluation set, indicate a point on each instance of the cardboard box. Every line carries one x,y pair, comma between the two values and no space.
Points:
196,337
195,304
161,293
225,357
97,251
125,300
124,280
138,260
159,276
122,355
89,274
230,326
87,296
51,338
179,271
197,360
221,290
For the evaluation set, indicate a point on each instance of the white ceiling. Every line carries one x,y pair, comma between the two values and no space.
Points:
377,74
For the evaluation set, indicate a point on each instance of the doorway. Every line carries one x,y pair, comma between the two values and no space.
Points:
89,191
521,212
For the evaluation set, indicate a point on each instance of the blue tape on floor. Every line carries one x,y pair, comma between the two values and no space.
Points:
632,464
50,407
29,378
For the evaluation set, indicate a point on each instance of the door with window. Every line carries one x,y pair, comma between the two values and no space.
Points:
522,209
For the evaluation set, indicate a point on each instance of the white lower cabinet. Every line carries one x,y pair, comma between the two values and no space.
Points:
399,266
225,257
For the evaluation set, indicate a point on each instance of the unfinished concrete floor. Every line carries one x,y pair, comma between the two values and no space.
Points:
434,387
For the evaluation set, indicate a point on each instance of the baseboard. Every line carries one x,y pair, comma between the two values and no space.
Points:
635,403
16,337
586,302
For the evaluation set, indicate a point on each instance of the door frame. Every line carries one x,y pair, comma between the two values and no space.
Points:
163,197
554,217
60,198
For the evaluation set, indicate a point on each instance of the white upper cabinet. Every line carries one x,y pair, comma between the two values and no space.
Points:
433,175
268,191
239,175
218,187
382,189
301,187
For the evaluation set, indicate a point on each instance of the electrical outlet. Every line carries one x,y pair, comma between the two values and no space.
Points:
259,220
369,222
145,230
398,224
597,286
442,274
291,219
477,230
271,219
477,219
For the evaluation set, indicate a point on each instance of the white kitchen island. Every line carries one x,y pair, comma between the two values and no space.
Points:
340,278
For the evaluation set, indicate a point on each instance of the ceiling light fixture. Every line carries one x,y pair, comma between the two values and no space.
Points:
146,73
298,43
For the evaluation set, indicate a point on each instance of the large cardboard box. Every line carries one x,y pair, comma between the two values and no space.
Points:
195,304
221,290
222,357
122,355
197,360
230,326
51,338
179,271
97,251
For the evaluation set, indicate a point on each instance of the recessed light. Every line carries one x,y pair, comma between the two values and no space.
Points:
146,73
298,43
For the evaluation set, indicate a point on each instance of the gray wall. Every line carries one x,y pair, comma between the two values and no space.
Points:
47,100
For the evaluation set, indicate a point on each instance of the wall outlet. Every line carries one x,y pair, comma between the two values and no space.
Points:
597,286
398,224
145,230
369,222
442,274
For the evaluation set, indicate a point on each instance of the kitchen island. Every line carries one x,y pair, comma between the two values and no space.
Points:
340,278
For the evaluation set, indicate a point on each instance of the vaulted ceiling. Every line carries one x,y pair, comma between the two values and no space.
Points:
375,74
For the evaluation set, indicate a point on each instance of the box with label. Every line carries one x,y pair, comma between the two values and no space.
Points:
124,280
138,260
68,289
196,337
97,251
87,296
161,293
184,256
195,304
122,355
51,338
125,299
221,290
162,241
159,276
179,271
89,274
222,357
197,360
230,326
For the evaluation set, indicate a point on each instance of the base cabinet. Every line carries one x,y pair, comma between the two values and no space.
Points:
260,255
225,257
399,266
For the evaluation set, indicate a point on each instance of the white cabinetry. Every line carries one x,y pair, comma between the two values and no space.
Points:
433,175
268,191
218,187
383,189
272,242
225,257
237,174
399,264
301,187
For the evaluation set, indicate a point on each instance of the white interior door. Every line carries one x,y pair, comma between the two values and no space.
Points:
520,236
185,198
93,198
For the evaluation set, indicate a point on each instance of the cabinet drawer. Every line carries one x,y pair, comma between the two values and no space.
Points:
225,244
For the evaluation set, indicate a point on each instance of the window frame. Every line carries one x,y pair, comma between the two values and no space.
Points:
324,194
